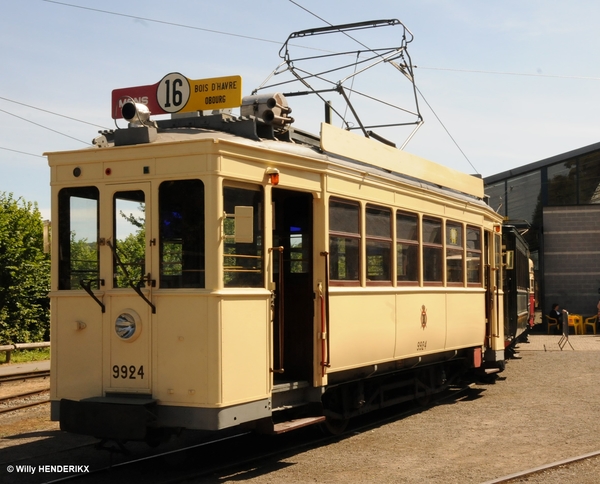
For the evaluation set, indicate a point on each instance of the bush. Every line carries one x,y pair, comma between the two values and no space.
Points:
24,273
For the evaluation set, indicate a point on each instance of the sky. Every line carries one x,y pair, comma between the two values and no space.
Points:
501,83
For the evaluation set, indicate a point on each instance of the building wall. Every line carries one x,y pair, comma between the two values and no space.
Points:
571,262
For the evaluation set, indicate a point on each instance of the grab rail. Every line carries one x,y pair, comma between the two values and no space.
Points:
324,294
279,293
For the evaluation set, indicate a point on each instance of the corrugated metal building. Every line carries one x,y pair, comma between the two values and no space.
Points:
558,199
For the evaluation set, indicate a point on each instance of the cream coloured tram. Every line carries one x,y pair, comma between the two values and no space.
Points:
209,272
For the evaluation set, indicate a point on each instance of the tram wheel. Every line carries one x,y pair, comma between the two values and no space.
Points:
155,437
334,426
423,385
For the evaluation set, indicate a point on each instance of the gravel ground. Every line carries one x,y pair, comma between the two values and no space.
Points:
543,409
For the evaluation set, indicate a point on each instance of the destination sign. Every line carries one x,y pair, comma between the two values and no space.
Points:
175,93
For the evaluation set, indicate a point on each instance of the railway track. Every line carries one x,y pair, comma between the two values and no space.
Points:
251,451
10,402
23,399
212,459
544,469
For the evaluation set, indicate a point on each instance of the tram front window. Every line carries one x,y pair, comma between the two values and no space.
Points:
181,233
130,238
78,238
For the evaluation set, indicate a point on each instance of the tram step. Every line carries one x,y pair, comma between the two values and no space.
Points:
283,427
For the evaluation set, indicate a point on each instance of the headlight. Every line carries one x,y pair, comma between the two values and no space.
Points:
127,325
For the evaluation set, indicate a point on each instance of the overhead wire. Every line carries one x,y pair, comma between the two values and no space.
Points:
164,22
175,24
500,73
42,126
21,152
51,112
446,130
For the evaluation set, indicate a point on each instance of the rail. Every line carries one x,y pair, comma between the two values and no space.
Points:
9,404
8,349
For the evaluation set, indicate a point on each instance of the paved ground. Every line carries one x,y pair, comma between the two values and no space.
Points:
544,408
541,342
16,368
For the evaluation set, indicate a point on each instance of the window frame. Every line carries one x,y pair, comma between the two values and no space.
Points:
454,249
429,246
65,228
414,244
341,234
184,278
478,251
256,246
376,242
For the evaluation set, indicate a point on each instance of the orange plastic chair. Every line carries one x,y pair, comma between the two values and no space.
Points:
551,322
576,321
591,321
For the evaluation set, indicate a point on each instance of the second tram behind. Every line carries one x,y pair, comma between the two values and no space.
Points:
518,287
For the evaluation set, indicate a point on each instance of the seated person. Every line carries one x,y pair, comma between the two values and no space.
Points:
556,314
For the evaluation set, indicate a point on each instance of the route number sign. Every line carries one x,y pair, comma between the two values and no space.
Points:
175,93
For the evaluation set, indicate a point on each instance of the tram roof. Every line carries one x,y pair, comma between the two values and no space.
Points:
335,145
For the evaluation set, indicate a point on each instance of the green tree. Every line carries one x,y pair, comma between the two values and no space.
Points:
132,253
24,272
84,262
131,249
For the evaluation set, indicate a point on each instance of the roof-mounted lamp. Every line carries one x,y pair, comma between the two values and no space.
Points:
273,174
136,113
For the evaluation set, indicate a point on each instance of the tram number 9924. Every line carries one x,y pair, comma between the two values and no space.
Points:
128,372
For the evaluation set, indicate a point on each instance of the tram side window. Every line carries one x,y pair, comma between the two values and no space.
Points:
498,259
344,240
181,212
473,255
243,261
78,238
407,247
432,250
522,269
454,253
379,244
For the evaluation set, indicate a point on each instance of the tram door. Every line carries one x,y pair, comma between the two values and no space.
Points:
128,298
293,323
493,302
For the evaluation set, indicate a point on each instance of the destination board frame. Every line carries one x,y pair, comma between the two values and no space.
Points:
175,93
